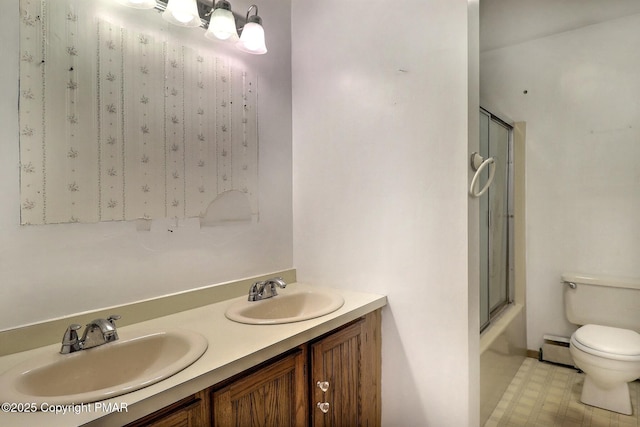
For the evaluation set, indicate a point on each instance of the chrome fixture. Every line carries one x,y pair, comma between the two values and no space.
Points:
70,342
266,289
97,332
217,18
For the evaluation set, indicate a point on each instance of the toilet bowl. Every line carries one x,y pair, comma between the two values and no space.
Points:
610,359
606,345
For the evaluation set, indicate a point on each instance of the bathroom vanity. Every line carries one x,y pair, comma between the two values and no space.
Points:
321,371
334,380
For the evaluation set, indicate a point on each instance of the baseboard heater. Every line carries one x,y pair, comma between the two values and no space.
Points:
556,350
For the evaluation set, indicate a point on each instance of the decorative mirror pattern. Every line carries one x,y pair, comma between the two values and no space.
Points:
118,123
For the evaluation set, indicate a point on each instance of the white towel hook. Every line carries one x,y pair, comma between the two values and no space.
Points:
478,164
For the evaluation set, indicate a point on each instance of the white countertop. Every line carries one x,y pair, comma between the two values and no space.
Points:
233,348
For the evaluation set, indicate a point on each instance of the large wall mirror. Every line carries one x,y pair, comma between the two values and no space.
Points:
124,116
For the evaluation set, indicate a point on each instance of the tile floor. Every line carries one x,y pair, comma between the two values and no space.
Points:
546,395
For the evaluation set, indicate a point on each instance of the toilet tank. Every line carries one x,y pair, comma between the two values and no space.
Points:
602,300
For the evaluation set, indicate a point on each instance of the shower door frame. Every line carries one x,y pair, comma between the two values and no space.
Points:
493,312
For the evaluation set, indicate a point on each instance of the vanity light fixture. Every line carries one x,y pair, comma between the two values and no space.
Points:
219,21
252,37
183,13
222,24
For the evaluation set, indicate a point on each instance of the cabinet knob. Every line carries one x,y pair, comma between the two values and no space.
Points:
323,406
323,385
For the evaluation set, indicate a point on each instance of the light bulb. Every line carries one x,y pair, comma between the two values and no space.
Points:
138,4
222,25
182,16
182,12
252,39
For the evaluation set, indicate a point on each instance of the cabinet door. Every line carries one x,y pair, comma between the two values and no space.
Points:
346,376
274,395
190,412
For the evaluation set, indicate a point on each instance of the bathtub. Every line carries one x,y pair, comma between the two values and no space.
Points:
503,348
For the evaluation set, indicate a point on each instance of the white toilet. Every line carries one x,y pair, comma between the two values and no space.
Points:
607,346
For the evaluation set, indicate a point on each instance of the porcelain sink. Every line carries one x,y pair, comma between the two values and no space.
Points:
102,372
286,307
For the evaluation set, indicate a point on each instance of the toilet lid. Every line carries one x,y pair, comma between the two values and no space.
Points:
606,339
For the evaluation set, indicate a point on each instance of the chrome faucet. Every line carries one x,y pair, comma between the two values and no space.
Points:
97,332
70,341
266,289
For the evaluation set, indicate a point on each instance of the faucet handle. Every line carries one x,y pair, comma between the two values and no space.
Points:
112,334
71,330
70,342
255,290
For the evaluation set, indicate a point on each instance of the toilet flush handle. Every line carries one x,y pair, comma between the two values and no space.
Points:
572,285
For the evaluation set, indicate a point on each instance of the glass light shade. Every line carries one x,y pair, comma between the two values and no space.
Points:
183,13
222,25
138,4
252,39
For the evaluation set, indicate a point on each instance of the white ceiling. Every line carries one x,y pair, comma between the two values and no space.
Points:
508,22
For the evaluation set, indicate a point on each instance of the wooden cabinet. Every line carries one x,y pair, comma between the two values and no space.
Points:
345,376
190,412
332,381
274,395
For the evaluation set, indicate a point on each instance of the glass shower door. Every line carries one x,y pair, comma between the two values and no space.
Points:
485,119
494,219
